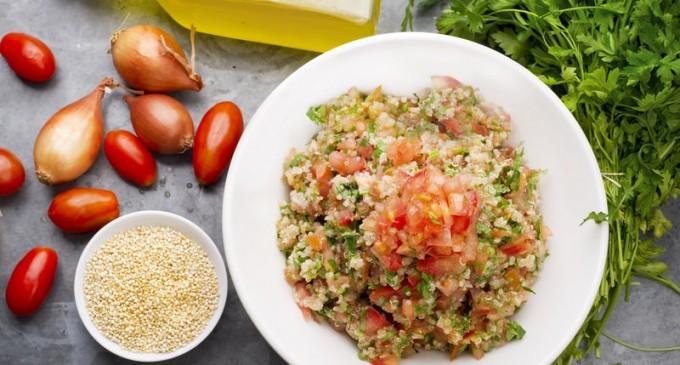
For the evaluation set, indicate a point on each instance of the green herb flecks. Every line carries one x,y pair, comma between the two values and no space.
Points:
514,331
380,147
297,160
317,114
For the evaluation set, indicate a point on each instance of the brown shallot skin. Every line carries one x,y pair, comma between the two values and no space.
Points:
150,59
69,142
162,123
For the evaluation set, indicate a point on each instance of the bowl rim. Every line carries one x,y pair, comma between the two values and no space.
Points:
228,239
100,238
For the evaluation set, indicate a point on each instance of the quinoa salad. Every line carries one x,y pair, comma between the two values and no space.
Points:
411,224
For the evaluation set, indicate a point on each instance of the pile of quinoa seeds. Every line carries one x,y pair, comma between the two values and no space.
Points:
150,289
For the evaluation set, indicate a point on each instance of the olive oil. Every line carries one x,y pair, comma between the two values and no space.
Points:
282,22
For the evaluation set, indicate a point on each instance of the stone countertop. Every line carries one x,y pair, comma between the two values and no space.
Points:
244,72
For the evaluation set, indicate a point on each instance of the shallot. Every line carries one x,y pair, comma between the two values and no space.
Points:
162,123
150,59
68,144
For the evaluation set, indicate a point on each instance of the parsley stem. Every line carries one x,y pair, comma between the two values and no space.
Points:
661,279
608,311
638,348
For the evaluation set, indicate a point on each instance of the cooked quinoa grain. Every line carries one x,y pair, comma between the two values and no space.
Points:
411,223
150,289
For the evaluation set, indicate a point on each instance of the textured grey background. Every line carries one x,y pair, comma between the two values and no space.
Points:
78,32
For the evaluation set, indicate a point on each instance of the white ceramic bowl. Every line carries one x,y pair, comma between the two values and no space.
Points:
403,64
150,218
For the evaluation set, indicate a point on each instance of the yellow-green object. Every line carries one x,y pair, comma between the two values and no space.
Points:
315,25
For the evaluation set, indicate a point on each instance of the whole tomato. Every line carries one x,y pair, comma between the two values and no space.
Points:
12,173
83,210
215,141
28,57
130,158
31,281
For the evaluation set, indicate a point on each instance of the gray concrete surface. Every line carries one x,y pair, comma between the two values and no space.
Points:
78,32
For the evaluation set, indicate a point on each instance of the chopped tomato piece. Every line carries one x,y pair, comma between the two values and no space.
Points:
346,164
413,279
384,292
345,217
460,223
480,129
516,248
365,151
387,292
399,222
374,321
481,310
448,286
391,261
403,151
441,265
453,125
323,175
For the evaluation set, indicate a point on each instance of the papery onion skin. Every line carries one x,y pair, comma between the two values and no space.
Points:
82,210
68,144
150,59
162,123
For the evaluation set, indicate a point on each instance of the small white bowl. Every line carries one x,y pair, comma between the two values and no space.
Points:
149,218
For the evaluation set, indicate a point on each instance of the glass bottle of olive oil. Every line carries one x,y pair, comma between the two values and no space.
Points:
315,25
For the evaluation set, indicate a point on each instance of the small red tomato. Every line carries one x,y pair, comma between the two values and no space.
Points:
130,158
83,210
215,141
31,281
12,173
28,57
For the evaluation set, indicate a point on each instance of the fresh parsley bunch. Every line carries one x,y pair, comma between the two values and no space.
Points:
616,66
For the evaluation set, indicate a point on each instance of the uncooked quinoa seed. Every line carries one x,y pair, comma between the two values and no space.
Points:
151,289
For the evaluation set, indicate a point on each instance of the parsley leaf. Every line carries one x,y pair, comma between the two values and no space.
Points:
598,217
514,331
317,115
